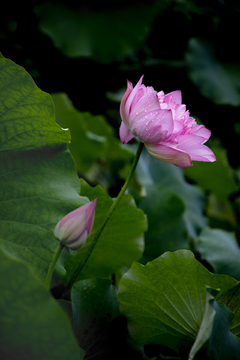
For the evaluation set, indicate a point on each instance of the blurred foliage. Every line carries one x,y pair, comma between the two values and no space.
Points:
104,35
97,152
219,82
205,175
156,176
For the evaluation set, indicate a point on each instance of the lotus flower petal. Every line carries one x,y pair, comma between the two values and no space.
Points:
125,133
154,126
164,125
169,154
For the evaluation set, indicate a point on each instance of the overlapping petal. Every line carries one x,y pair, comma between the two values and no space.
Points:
164,125
154,126
125,133
166,152
141,114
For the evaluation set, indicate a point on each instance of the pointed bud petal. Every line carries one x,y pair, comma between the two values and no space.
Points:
76,226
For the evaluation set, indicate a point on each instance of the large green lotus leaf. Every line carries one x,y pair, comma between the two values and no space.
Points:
38,188
217,81
92,138
38,182
214,338
104,35
164,301
166,226
26,112
33,326
221,214
151,171
121,242
205,175
220,248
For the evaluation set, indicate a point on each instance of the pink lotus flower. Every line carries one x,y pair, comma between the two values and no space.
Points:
76,226
164,125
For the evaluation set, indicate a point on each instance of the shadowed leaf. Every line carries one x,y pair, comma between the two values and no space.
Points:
104,35
164,301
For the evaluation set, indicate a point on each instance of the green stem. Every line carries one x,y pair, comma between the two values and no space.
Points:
111,210
52,266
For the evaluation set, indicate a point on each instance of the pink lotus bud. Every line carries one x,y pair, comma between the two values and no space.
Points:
76,226
164,125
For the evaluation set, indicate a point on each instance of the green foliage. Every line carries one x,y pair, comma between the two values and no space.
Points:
219,343
120,243
231,299
88,51
156,174
166,227
164,301
206,326
92,138
103,36
27,113
39,186
219,82
205,175
217,247
30,318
